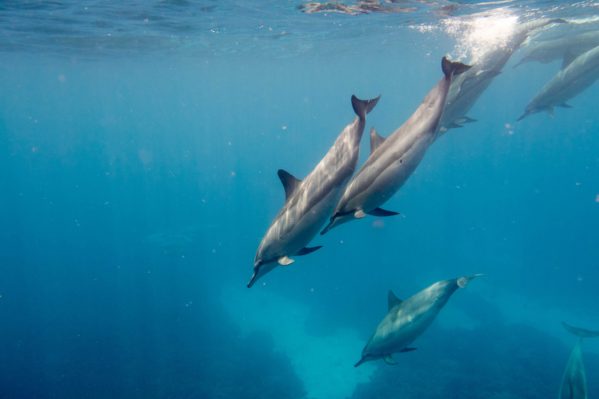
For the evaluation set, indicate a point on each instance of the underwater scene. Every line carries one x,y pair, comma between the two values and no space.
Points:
297,199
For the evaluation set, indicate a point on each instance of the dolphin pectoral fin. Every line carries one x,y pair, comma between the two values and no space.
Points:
565,105
389,360
464,119
290,182
328,227
308,250
382,212
285,261
392,300
408,349
454,125
580,332
359,214
363,107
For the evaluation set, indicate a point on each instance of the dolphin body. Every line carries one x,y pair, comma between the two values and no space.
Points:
468,87
406,320
567,84
574,381
565,48
309,202
393,160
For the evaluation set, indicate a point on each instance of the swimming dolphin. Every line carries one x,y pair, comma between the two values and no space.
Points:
468,87
567,84
406,320
393,160
574,381
566,48
309,202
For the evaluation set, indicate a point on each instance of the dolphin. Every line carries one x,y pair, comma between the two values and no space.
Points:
566,48
309,202
468,87
574,381
406,320
567,84
393,160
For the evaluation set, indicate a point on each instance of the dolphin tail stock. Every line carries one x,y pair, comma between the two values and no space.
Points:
363,107
580,332
463,281
453,68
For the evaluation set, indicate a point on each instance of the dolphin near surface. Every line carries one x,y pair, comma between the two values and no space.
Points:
309,202
392,160
574,381
566,48
468,87
569,82
406,320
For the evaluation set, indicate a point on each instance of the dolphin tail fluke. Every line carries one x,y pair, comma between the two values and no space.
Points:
463,281
363,107
451,69
580,332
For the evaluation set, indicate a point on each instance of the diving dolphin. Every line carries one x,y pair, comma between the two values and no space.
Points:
393,160
574,381
468,87
568,83
406,320
309,202
566,48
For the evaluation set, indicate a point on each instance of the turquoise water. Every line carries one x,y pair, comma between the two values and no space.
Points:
139,145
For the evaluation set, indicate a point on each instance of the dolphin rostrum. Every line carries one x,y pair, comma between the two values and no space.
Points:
567,84
406,320
574,381
309,202
468,87
393,160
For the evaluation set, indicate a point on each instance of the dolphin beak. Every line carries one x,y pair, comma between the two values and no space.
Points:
253,279
360,362
524,115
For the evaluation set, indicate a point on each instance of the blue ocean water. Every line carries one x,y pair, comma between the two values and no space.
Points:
139,144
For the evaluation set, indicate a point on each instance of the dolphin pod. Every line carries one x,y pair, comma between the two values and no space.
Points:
467,88
579,74
309,202
574,381
406,320
393,160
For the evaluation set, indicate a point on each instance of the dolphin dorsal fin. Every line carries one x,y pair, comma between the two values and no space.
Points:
375,140
290,182
392,300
